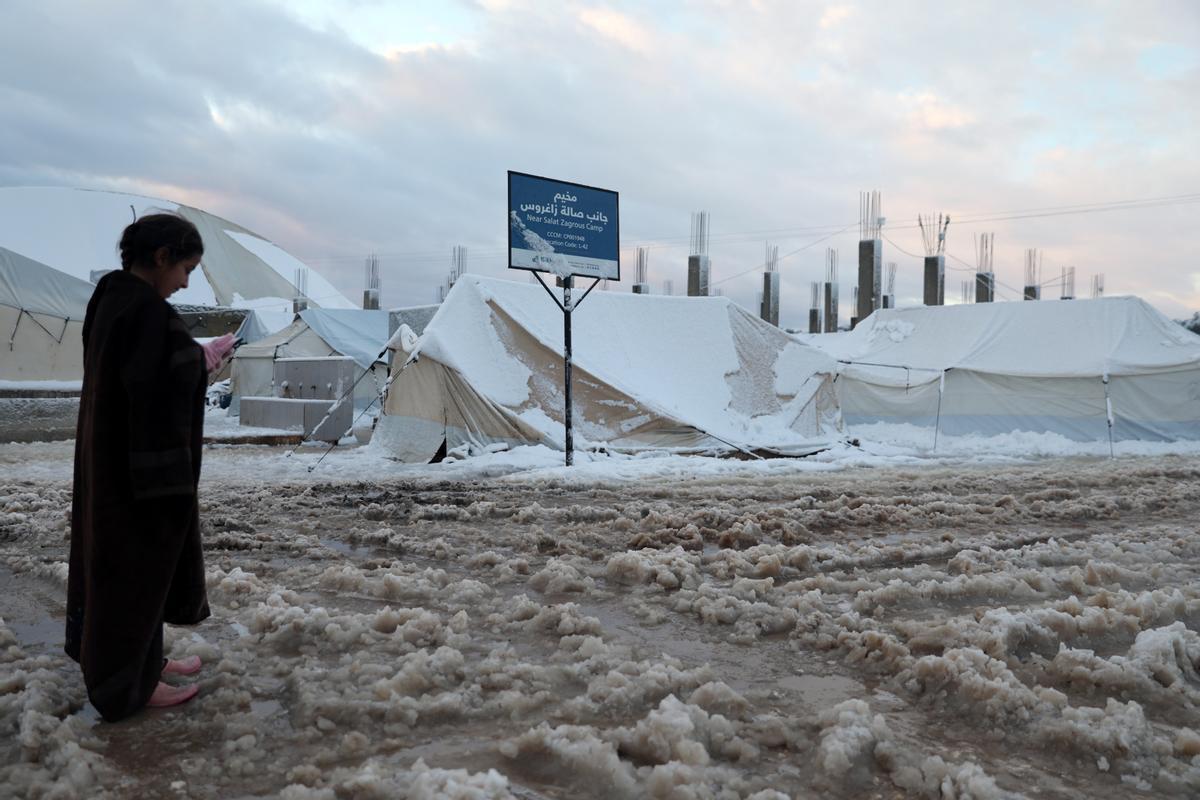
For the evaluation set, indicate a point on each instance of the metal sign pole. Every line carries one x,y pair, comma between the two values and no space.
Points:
566,229
567,306
567,282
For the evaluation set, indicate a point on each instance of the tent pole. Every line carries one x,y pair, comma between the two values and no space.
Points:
1109,413
937,423
13,336
57,339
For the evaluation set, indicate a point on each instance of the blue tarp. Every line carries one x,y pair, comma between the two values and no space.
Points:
353,332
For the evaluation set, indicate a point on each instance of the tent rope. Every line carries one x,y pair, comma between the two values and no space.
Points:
338,403
937,423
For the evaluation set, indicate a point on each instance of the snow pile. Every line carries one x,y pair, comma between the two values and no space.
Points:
935,779
669,569
894,330
682,732
1161,667
848,738
46,753
576,750
378,780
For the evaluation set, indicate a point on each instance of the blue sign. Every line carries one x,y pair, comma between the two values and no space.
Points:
564,228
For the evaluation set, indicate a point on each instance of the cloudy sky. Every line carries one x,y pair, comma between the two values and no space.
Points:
346,127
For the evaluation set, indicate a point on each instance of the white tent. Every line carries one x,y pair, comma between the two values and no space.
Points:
1049,366
76,231
316,333
41,310
649,372
72,234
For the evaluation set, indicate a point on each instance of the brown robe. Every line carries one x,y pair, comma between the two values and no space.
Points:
136,558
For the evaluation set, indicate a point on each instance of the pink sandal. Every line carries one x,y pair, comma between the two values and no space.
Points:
166,695
186,666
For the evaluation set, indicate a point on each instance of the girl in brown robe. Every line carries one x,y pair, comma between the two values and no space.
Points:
136,558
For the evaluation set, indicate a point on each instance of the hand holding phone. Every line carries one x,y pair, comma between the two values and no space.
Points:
218,351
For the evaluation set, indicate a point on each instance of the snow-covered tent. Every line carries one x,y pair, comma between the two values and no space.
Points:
41,310
649,372
316,333
993,368
73,233
76,232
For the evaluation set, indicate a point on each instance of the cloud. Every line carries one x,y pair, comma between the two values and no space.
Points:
929,112
771,116
618,27
834,16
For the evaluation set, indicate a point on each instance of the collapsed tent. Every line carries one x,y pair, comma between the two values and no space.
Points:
993,368
698,374
316,333
41,310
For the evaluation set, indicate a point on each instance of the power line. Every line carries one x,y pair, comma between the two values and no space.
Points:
967,268
967,218
1125,205
792,253
1077,208
649,243
995,280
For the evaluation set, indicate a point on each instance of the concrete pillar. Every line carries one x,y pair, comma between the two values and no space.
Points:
830,306
870,276
770,298
935,280
641,288
371,299
698,269
814,320
985,287
1033,293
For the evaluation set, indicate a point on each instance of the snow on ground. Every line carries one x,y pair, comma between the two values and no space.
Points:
878,621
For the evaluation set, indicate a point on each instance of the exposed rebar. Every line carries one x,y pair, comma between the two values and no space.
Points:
643,265
1068,283
870,219
699,237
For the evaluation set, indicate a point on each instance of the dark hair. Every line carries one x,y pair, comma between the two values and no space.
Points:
142,239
